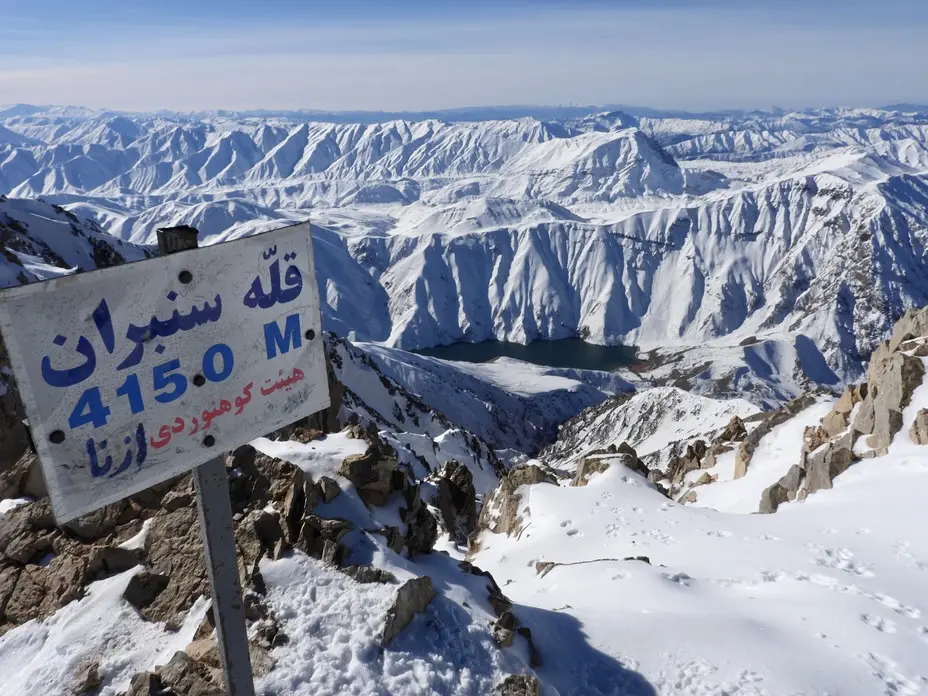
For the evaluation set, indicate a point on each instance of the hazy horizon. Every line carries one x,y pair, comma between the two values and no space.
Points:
475,110
413,55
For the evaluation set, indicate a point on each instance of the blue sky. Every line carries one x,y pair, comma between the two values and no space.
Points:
411,55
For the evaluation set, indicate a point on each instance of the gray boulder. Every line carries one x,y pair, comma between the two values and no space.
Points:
421,525
412,598
183,675
825,464
919,429
784,490
372,473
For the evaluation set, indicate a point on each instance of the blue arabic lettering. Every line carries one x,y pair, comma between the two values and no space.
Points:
292,284
104,323
140,335
72,375
98,471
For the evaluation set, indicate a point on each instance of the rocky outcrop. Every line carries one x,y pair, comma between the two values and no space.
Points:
598,461
735,431
24,478
691,459
14,439
912,325
373,473
500,513
44,566
412,597
785,489
182,675
891,379
872,411
588,466
687,457
457,501
421,525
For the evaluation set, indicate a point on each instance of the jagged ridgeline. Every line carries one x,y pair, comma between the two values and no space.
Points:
792,242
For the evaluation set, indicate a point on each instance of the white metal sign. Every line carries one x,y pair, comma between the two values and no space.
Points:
134,374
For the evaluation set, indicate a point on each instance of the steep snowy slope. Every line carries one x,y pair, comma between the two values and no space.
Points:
512,404
41,241
810,257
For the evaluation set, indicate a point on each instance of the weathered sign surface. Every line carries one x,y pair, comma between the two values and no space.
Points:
134,374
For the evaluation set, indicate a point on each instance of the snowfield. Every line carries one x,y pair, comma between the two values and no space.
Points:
824,597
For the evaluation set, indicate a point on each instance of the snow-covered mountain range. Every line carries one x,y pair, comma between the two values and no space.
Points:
466,529
802,234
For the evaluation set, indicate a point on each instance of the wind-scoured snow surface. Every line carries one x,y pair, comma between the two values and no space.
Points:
805,231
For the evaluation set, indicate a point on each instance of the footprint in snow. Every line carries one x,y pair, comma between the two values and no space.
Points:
718,533
637,510
574,532
841,559
658,535
613,530
897,606
881,624
605,495
678,578
565,523
894,681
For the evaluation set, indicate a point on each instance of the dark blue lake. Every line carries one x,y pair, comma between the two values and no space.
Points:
566,352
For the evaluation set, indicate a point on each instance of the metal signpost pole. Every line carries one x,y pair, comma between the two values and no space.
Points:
212,486
215,511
